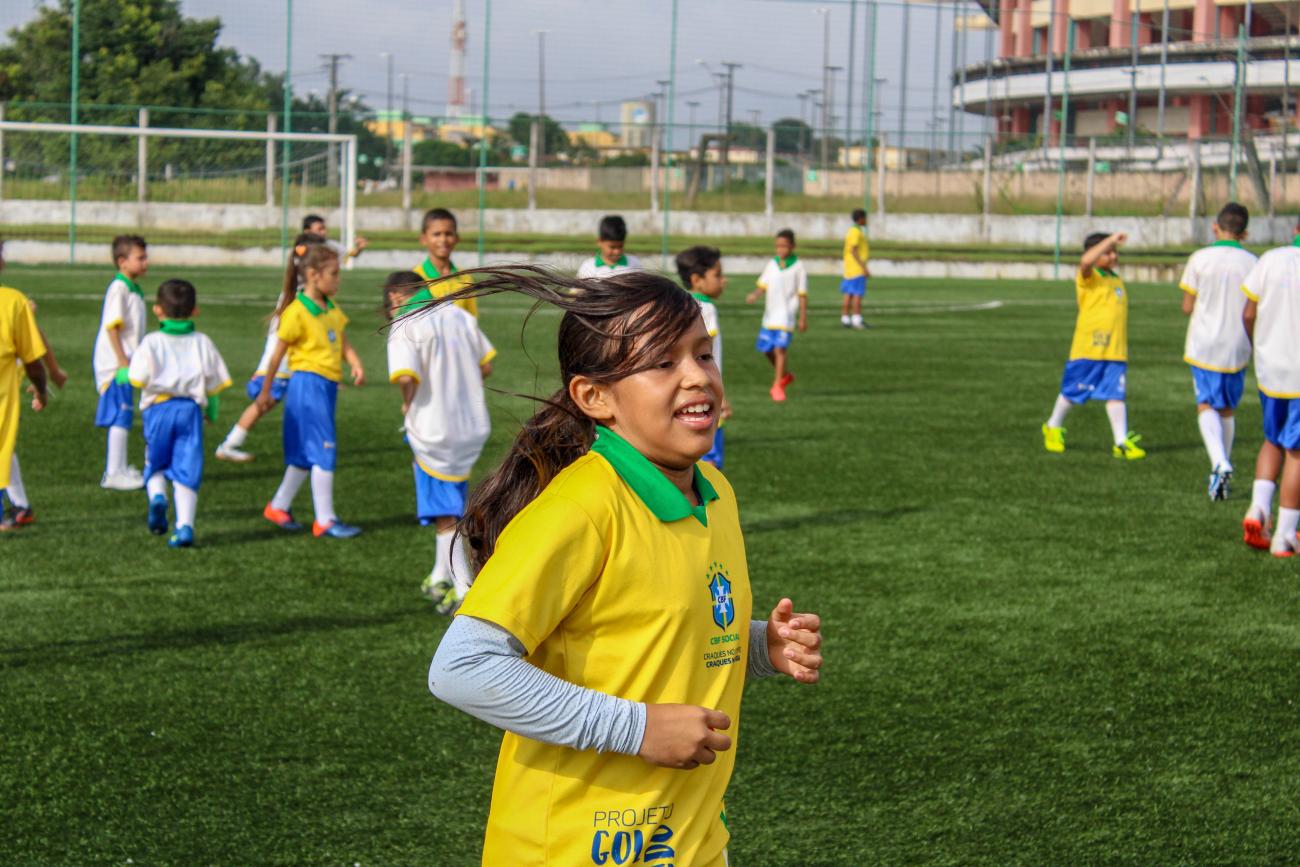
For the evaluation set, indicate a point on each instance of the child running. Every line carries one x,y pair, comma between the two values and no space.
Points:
232,447
610,239
311,332
1272,319
121,328
439,234
854,285
700,269
439,359
1098,365
614,562
1217,346
785,282
21,345
180,374
314,225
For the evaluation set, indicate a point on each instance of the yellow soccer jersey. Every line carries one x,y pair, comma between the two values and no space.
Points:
855,241
1101,331
315,336
20,343
612,581
446,287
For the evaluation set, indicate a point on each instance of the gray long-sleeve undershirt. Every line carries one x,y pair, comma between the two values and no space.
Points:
479,668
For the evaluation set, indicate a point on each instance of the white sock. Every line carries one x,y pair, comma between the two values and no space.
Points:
156,486
117,437
293,479
17,493
1212,435
322,496
442,555
236,437
1261,497
460,572
844,319
1117,410
856,319
1229,424
1062,407
187,503
1286,524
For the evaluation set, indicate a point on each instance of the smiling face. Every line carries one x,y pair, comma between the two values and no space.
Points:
610,251
668,412
783,247
440,238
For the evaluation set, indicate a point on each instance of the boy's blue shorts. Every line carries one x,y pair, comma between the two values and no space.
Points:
1281,420
309,421
1218,390
278,387
437,498
715,454
173,438
1086,379
772,338
116,406
856,286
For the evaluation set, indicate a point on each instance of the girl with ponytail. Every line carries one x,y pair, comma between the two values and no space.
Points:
608,629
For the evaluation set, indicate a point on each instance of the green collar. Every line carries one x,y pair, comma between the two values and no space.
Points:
786,262
621,263
1228,242
130,284
1106,272
653,488
177,326
1296,242
701,297
432,273
312,307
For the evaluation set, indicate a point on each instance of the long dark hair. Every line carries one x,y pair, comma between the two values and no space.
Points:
611,329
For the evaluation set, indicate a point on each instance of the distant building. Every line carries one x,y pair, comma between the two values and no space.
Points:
421,127
594,135
1198,80
637,121
465,129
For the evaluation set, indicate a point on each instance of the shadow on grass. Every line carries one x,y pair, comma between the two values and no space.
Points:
839,517
57,653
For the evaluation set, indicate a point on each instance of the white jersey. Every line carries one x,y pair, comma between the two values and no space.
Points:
709,312
124,309
272,338
1274,284
168,366
596,267
1216,338
785,286
447,423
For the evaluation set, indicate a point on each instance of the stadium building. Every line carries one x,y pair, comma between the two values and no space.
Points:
1126,54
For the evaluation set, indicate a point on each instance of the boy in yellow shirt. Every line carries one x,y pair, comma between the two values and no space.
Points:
1098,365
439,235
854,285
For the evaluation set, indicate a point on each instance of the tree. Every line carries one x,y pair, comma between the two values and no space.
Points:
747,135
432,152
792,135
555,139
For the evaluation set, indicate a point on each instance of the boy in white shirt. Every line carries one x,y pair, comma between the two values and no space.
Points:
439,358
612,237
121,328
700,270
785,282
180,374
1217,347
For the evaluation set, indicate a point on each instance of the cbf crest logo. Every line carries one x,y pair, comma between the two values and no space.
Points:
724,607
331,335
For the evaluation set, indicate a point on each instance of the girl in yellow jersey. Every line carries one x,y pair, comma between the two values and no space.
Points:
608,630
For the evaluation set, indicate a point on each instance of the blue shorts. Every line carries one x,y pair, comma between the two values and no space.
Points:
715,454
309,421
173,439
772,338
1218,390
855,286
116,406
1281,420
278,387
437,498
1085,379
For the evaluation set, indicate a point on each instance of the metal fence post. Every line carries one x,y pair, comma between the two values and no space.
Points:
1092,176
654,169
534,139
880,180
270,162
1272,185
2,152
142,160
1195,198
988,187
770,181
406,168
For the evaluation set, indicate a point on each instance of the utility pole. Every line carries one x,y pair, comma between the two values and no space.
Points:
406,97
803,118
826,84
332,159
691,105
902,79
388,114
541,93
731,90
828,105
848,99
665,139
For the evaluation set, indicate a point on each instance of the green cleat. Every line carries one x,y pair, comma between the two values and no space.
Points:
1129,450
1054,439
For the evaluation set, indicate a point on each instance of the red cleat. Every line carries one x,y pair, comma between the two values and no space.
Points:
1255,534
778,392
280,518
785,380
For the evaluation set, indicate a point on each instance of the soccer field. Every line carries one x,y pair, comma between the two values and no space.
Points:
1031,658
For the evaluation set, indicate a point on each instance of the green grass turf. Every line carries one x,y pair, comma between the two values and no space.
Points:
1031,658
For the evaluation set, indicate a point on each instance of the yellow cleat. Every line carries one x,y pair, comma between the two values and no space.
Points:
1129,450
1054,439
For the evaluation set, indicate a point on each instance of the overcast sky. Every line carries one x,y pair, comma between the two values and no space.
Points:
598,52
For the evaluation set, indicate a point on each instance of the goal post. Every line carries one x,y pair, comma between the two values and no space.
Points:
196,167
